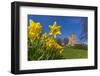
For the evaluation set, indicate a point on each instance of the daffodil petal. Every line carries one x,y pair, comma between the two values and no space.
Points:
59,32
50,33
59,27
55,23
31,22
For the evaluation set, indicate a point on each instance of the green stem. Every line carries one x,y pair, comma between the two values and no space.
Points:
41,56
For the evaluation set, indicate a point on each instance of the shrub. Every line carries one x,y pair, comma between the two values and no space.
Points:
80,46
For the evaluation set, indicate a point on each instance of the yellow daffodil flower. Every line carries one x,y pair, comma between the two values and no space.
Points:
34,29
44,36
61,51
55,29
51,43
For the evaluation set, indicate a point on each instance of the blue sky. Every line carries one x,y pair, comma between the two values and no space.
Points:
69,24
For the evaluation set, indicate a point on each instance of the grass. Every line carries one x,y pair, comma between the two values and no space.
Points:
68,53
71,53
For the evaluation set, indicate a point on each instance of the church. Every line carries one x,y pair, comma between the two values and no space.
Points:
72,40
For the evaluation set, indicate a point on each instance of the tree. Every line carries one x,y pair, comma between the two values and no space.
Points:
65,41
59,41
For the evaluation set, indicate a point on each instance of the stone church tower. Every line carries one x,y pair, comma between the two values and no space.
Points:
72,40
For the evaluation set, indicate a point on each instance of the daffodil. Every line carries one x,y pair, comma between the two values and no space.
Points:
34,29
44,36
51,43
61,51
55,29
